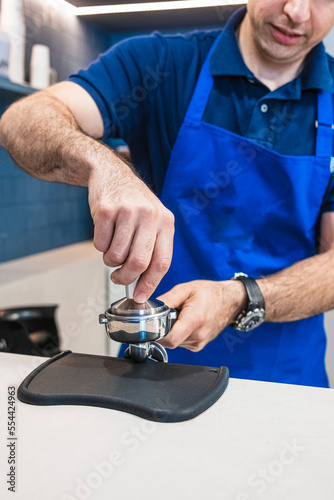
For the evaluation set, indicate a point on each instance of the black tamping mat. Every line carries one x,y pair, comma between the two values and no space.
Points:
162,392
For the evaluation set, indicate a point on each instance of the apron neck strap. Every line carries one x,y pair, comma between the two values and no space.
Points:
324,124
203,88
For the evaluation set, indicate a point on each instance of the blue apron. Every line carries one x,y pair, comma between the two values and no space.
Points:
240,207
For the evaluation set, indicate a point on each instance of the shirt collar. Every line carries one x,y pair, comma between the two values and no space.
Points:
316,73
227,60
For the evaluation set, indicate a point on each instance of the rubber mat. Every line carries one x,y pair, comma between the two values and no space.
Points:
162,392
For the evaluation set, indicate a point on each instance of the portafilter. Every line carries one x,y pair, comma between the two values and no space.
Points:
139,325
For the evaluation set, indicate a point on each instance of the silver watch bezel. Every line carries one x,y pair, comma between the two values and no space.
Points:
249,320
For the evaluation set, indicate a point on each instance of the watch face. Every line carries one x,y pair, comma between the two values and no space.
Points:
250,320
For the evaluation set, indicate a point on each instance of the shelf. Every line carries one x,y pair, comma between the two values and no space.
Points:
14,88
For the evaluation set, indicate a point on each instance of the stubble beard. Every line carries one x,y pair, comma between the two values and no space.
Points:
271,50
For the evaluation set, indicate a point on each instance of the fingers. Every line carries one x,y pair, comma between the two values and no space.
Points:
121,241
197,324
189,320
178,334
177,296
186,332
103,231
138,256
159,265
149,256
133,230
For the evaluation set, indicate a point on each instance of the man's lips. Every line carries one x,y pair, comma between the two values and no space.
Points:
285,36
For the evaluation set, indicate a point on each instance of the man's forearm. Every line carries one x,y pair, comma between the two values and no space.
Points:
131,226
302,290
44,139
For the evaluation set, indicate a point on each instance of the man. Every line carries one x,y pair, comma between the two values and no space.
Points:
243,120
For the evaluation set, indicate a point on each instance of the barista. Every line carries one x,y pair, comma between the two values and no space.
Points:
233,130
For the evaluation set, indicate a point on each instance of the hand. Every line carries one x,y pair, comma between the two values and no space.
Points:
207,307
132,227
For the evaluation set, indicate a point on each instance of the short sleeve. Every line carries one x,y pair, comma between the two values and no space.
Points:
142,87
122,82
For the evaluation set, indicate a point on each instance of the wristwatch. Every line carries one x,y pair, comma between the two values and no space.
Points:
255,313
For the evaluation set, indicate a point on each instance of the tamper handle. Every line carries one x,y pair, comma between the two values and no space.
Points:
129,289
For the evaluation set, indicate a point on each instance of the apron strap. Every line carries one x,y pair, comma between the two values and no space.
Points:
324,125
203,88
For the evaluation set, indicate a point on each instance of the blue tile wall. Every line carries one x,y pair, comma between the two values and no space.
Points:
36,215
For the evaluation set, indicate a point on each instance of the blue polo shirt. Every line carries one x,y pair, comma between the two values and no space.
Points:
143,86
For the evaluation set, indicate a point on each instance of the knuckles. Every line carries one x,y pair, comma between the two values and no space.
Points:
100,243
171,343
113,258
198,321
162,265
127,211
197,347
198,340
169,220
108,213
139,263
148,212
102,213
193,343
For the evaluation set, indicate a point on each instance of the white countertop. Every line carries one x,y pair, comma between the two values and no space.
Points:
26,267
259,441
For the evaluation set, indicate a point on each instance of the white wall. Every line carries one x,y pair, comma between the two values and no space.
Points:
329,43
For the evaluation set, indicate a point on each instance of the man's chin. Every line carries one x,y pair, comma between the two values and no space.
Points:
281,54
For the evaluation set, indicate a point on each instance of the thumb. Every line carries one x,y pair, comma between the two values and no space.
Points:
177,295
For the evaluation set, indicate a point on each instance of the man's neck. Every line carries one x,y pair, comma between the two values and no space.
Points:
269,72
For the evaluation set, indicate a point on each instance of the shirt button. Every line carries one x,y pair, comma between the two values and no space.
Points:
264,108
251,80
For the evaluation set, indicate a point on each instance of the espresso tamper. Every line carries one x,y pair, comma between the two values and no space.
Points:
139,325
